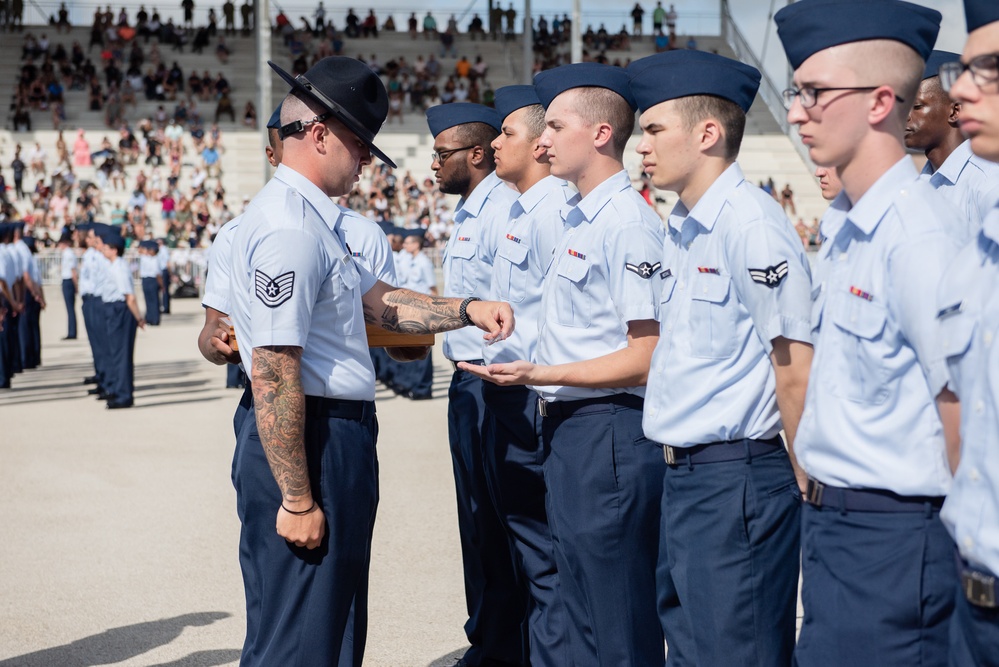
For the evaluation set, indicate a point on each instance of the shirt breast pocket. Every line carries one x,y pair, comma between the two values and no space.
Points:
861,324
712,317
464,277
511,272
573,300
346,298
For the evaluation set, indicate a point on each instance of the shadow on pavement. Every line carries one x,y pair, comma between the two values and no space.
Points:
118,644
222,656
443,661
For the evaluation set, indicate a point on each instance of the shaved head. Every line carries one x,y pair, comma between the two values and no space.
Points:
884,62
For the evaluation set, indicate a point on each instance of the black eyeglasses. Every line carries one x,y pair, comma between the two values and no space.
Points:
809,96
443,155
984,72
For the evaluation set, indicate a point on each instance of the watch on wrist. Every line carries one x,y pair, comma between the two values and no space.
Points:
462,314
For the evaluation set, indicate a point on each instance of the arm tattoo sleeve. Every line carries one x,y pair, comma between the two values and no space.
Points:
409,312
280,406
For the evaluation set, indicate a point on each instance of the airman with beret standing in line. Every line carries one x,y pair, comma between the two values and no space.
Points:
969,182
968,315
463,164
730,370
598,328
877,563
512,433
305,468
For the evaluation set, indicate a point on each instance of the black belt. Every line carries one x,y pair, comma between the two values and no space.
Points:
720,452
979,586
338,408
867,500
473,362
87,297
566,409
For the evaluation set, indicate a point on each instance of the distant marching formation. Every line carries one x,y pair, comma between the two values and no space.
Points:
621,478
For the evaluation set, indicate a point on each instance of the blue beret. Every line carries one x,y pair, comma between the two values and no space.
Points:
17,225
672,74
445,116
511,98
275,120
938,58
553,82
980,12
810,26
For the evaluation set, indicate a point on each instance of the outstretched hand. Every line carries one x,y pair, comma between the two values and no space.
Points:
504,375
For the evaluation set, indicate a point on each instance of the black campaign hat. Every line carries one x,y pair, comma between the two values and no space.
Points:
349,90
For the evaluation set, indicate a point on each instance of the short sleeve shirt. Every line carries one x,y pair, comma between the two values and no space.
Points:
870,418
734,277
217,282
68,264
368,245
295,284
118,282
968,182
600,279
479,221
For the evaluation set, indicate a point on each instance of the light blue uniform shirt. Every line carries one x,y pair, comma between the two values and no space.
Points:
294,283
33,269
479,222
870,418
118,282
971,512
93,273
163,255
402,260
600,279
968,182
217,283
368,245
418,273
8,266
149,266
524,253
734,277
68,263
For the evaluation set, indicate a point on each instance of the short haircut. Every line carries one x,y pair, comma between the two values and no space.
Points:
885,62
477,134
600,105
298,107
534,119
694,109
272,137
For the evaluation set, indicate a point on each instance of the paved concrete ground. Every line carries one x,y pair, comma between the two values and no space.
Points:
120,531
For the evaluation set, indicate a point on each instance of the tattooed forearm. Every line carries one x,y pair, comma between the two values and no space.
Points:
280,406
409,312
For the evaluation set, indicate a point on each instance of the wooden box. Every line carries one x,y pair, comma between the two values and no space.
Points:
378,337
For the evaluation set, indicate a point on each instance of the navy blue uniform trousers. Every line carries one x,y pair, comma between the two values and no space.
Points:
29,333
728,561
69,296
877,588
493,594
93,322
605,481
165,273
974,633
151,294
305,607
6,359
416,377
120,350
514,455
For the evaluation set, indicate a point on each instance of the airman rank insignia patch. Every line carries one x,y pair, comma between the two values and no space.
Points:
643,270
274,291
772,276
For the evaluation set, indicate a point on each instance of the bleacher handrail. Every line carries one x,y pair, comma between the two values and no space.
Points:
769,92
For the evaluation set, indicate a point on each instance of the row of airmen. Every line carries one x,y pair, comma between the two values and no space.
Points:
620,472
22,299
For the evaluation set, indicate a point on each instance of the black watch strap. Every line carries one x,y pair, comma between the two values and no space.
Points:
462,314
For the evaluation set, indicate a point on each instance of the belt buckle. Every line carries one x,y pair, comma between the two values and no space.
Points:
980,589
543,407
814,492
670,455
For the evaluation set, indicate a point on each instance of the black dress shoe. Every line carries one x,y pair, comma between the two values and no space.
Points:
118,405
419,397
68,338
95,391
90,380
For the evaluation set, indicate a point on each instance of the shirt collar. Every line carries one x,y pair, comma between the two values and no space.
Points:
872,206
590,205
330,213
954,164
537,193
709,206
472,205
